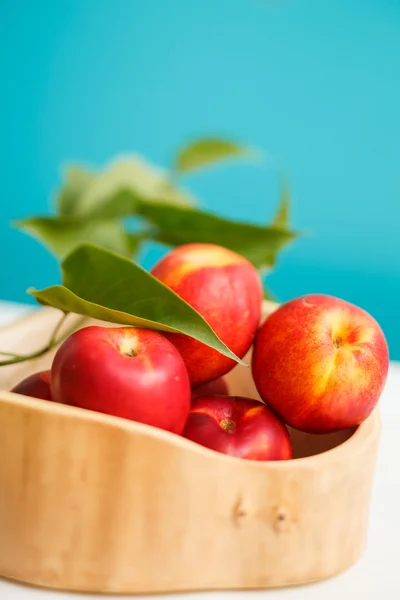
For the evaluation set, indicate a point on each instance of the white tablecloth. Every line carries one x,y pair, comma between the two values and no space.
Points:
377,574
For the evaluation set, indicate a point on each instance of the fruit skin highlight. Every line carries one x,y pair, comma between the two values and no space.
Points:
36,385
239,427
126,372
226,290
321,363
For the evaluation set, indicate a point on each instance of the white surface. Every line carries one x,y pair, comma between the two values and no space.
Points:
377,574
11,311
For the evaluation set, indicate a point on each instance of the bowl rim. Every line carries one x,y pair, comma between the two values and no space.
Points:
356,442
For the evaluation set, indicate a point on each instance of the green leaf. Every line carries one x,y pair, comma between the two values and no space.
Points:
105,286
282,215
62,234
115,190
77,179
174,225
207,151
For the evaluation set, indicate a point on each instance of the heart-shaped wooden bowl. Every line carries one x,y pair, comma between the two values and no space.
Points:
95,503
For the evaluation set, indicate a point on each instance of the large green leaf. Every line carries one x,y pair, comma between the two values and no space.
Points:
103,285
62,234
207,151
174,225
77,179
163,222
114,191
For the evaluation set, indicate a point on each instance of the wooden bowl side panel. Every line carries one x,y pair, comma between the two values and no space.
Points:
101,506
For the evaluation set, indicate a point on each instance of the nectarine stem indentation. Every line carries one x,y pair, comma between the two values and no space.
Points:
130,353
338,341
228,424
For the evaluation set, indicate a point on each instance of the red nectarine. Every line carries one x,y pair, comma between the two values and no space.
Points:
226,290
126,372
239,427
320,363
36,386
216,387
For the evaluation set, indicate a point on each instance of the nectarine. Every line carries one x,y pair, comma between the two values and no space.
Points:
216,387
226,290
321,363
239,427
126,372
36,386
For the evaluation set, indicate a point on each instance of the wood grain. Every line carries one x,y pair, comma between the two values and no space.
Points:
94,503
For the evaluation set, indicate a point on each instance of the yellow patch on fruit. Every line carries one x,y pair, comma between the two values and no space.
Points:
201,411
253,411
343,328
128,346
200,257
340,367
323,373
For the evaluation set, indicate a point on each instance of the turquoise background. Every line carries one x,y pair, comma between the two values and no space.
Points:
315,82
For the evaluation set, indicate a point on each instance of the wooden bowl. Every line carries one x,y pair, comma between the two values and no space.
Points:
95,503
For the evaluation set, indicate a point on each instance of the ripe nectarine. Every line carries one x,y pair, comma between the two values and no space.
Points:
239,427
126,372
226,290
36,386
216,387
321,363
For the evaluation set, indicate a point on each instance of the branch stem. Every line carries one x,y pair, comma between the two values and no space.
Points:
54,341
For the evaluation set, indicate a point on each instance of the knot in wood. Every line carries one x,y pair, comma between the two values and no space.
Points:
281,521
238,512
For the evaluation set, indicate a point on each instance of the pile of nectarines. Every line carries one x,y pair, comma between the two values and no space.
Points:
319,363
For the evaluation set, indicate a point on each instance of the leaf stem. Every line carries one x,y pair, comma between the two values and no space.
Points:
11,354
52,343
57,329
